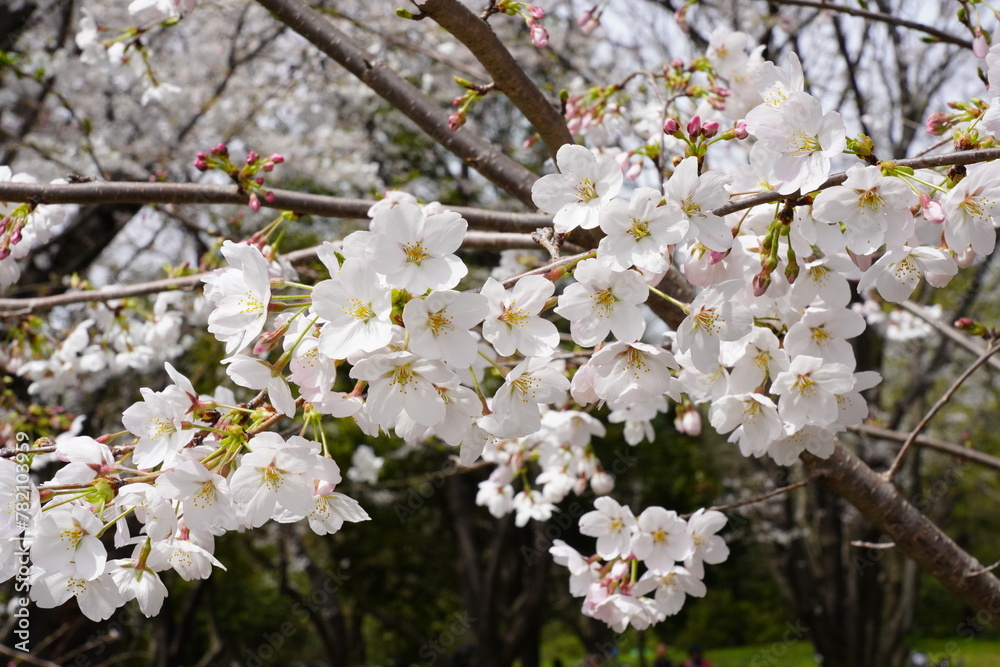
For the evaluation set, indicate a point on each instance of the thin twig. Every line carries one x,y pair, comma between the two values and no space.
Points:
873,545
931,443
990,350
940,35
757,499
976,573
948,331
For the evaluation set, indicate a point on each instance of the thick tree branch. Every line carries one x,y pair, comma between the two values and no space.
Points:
915,535
511,176
301,202
939,35
477,35
284,200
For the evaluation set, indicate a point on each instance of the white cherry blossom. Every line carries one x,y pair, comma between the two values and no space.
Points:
580,191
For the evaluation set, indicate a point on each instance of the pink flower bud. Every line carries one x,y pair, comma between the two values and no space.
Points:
259,180
979,46
741,129
634,170
276,158
254,202
267,166
201,156
4,253
937,123
269,197
589,20
761,282
688,421
710,129
16,237
200,165
536,12
671,126
539,35
694,127
717,256
221,150
931,210
252,157
455,121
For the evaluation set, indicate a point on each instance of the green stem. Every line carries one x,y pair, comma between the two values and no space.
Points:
686,307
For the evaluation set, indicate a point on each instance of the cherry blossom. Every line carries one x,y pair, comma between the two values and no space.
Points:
580,191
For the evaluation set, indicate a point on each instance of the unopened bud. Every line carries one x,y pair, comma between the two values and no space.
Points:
791,272
741,129
252,157
710,129
536,12
539,35
254,202
970,326
937,123
200,165
455,121
694,126
270,340
602,483
671,126
931,210
761,282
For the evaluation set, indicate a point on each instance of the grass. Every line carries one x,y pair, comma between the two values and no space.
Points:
963,651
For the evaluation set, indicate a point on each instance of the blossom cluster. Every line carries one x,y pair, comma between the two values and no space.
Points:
388,340
672,551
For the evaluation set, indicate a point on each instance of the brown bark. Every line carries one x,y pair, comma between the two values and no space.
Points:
914,534
506,173
477,35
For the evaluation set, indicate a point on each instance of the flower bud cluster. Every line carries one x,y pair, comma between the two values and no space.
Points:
245,176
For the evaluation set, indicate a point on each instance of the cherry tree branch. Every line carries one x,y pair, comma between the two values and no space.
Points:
477,35
474,240
759,498
914,534
303,202
939,35
923,162
949,332
514,178
945,398
284,200
931,443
